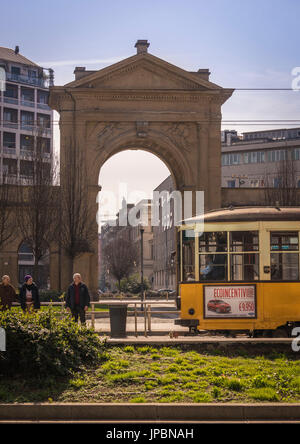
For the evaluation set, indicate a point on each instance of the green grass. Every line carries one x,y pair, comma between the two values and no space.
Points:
167,374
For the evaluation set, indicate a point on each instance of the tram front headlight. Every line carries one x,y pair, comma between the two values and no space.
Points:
191,311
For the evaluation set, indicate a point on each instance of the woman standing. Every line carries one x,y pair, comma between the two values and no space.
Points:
7,293
29,295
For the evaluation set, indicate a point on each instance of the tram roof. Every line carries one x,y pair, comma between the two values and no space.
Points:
248,214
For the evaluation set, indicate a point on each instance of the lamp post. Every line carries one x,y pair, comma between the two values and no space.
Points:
142,266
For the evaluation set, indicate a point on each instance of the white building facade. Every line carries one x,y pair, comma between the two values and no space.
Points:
25,117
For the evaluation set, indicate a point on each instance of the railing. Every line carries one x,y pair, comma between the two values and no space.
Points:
11,179
11,100
10,124
29,103
27,126
44,106
9,150
147,313
26,153
25,79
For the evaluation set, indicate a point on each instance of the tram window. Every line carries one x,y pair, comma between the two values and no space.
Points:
213,267
188,256
244,267
244,241
284,241
213,242
284,266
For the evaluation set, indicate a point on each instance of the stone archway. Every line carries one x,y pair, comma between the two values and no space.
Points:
143,102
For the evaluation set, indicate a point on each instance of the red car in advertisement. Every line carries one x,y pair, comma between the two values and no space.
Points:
218,306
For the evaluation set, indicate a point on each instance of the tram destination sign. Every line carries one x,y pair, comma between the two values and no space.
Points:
229,301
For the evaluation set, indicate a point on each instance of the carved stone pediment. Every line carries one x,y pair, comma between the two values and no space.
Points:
145,72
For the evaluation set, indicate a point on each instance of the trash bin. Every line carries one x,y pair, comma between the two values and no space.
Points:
117,316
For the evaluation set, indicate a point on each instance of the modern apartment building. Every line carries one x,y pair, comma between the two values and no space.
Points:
25,117
257,158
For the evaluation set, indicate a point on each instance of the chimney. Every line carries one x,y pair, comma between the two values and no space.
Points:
17,50
203,73
142,46
79,72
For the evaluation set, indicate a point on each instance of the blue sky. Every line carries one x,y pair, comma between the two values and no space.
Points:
245,44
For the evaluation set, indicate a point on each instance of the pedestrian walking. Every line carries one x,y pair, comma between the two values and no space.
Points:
78,299
7,293
29,295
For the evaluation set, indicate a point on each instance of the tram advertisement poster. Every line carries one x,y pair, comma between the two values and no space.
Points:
232,301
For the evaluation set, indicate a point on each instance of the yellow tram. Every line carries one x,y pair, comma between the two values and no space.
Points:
239,271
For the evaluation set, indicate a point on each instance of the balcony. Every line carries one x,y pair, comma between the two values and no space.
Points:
26,153
26,179
10,124
10,179
9,150
29,103
25,79
44,106
27,126
11,100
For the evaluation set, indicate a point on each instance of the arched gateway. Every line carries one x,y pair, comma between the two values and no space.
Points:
142,102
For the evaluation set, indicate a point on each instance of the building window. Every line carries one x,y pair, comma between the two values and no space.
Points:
254,157
277,155
15,70
9,140
42,97
27,96
27,120
231,159
277,182
231,183
296,154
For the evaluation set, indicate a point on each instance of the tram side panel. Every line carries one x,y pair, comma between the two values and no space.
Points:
281,303
276,304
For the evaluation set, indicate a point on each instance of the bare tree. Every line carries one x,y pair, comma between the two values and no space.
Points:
121,257
77,227
281,186
37,209
7,202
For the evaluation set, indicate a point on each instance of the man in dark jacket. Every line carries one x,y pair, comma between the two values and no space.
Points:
78,299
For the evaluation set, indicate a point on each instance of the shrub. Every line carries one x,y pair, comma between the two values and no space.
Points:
51,295
235,384
41,344
129,349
